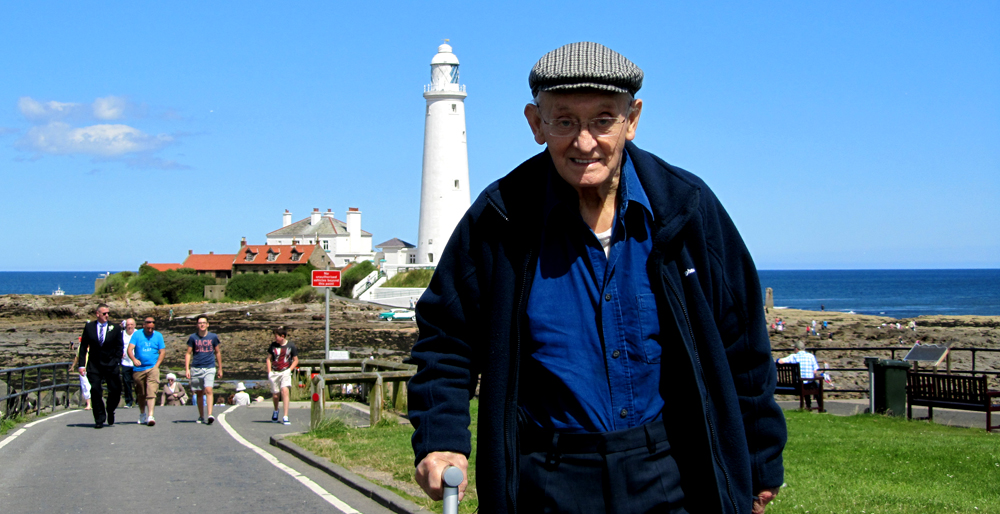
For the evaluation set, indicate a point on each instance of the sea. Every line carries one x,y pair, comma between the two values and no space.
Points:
892,293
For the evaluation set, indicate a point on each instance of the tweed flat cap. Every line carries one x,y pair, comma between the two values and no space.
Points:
585,65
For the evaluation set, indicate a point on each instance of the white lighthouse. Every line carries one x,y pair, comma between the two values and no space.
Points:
444,190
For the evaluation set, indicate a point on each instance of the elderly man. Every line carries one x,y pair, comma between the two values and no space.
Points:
611,315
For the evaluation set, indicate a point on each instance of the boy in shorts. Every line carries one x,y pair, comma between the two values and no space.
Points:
282,359
202,363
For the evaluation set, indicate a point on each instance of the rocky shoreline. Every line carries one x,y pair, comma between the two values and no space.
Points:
37,329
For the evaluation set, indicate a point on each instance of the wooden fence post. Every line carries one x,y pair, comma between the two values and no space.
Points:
375,402
318,401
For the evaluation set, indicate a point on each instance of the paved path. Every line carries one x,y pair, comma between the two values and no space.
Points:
60,463
951,417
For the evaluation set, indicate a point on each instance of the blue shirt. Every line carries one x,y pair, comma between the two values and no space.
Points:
147,349
203,350
593,362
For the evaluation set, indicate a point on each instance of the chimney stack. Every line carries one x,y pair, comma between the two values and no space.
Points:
286,219
243,242
314,217
190,252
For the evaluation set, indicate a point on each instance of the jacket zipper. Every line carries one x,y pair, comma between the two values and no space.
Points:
708,417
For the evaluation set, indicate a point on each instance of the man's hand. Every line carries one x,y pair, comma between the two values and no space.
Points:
763,498
431,468
83,372
135,362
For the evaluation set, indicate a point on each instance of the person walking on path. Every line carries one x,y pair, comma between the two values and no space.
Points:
101,353
202,363
146,349
84,384
128,384
173,392
282,359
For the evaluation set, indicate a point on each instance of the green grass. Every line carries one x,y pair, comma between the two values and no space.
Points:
875,464
9,423
860,464
415,278
384,448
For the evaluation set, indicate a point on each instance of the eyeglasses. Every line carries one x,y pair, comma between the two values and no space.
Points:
105,313
597,127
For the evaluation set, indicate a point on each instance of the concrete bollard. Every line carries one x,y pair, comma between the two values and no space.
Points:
769,299
318,390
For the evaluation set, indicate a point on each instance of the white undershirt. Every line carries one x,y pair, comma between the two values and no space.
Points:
605,239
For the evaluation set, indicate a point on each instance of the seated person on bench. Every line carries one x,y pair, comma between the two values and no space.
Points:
807,365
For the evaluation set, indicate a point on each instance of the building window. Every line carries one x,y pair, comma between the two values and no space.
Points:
326,245
430,257
272,256
249,257
430,241
454,108
413,259
296,256
456,184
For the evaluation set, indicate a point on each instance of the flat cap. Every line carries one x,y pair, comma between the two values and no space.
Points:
585,65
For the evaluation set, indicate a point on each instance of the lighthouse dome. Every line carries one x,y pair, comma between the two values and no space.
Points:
444,55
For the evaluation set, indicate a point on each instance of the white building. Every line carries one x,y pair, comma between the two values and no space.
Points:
444,190
344,242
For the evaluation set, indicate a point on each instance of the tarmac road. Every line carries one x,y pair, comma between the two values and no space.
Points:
61,464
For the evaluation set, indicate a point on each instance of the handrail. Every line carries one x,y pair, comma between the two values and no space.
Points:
21,397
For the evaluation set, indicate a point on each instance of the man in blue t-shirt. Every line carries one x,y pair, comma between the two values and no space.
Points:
146,349
202,363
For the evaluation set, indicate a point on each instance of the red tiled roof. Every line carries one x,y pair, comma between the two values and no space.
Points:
209,261
284,254
164,266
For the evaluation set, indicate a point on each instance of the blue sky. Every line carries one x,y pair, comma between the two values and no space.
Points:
837,134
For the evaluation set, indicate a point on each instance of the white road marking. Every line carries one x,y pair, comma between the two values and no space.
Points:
304,480
29,425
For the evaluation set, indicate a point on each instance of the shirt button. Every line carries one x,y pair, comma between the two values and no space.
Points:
624,413
615,354
607,297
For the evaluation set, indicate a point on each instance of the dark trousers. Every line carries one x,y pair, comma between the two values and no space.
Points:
621,472
95,374
128,385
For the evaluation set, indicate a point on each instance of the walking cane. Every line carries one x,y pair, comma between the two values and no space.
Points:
452,478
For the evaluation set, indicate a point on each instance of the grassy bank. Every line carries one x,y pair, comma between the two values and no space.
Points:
860,464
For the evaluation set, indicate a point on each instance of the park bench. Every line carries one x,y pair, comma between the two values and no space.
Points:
790,382
951,392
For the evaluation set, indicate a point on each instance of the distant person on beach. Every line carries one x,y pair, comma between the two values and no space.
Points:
101,354
128,384
173,392
807,365
202,363
282,359
241,397
146,349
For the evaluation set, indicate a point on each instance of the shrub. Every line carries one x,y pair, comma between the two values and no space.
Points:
352,275
415,278
251,286
171,286
117,284
305,294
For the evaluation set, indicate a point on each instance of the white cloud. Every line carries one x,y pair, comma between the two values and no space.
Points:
33,109
109,108
102,140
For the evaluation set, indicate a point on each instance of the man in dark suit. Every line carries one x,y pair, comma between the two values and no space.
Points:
103,341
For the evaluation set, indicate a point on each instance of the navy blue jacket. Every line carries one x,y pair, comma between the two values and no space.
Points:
718,376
